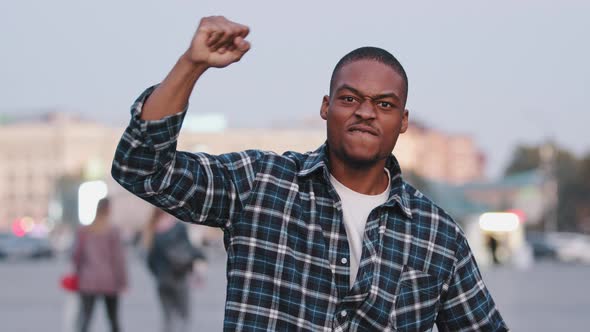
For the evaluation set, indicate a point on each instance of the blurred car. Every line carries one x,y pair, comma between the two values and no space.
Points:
26,247
564,246
541,247
571,247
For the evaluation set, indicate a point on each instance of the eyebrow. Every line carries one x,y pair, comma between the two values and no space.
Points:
376,97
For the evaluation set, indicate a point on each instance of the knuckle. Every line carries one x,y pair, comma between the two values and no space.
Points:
227,33
235,31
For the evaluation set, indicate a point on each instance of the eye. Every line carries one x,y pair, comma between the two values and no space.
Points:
385,104
347,99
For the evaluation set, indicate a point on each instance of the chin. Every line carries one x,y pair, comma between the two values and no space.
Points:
362,158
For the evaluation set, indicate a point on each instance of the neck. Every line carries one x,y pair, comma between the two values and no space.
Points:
368,180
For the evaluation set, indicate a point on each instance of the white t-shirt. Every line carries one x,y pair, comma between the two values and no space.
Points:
356,208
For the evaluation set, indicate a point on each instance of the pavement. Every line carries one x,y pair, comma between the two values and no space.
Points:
547,297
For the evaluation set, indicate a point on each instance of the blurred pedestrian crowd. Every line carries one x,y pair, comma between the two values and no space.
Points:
99,270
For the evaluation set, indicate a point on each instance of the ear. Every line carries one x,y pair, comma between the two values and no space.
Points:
324,108
405,121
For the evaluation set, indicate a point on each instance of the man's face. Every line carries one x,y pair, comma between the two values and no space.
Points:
365,113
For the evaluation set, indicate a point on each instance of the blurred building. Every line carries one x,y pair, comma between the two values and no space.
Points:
40,154
439,156
37,152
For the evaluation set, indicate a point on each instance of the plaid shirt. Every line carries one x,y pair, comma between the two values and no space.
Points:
288,254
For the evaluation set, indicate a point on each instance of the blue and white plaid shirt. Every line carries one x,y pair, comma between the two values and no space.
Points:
288,254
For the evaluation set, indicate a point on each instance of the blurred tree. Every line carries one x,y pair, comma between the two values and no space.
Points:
66,195
524,158
582,212
573,178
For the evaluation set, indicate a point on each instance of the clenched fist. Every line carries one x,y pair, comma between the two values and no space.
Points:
218,42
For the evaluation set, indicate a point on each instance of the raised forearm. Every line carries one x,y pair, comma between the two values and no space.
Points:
172,95
218,42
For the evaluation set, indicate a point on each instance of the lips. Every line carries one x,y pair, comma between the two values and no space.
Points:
363,129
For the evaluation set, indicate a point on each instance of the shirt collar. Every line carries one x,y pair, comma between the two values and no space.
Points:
318,160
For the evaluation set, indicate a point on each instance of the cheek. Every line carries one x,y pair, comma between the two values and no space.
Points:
331,127
391,132
393,124
335,120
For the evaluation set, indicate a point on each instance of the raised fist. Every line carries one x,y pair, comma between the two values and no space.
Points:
218,42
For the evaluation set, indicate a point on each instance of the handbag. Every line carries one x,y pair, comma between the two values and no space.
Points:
69,282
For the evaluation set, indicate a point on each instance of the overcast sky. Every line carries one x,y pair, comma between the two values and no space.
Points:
504,72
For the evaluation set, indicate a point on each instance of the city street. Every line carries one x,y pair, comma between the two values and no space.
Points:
548,297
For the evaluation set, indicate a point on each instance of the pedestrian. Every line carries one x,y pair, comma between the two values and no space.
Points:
170,258
329,240
100,264
492,244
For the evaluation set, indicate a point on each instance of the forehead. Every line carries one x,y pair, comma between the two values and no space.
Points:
370,76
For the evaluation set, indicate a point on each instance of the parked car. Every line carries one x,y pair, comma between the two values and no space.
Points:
542,248
25,247
571,247
564,246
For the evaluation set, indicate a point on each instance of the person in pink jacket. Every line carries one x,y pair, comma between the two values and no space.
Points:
99,261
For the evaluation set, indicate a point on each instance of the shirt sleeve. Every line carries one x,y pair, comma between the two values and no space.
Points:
194,187
467,304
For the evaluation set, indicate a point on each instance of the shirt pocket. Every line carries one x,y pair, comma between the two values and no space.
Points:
416,301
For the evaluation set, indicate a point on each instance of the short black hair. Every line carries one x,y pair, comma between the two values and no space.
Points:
371,53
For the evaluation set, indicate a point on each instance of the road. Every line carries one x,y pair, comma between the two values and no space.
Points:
547,297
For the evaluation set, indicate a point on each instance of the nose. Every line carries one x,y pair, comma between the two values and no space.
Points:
366,110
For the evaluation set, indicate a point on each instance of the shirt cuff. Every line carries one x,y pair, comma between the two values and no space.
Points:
159,134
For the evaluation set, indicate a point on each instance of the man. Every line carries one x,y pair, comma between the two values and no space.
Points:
332,240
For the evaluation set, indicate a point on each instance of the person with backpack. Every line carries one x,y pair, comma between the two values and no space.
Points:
170,258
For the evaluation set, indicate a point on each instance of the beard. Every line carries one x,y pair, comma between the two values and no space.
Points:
357,161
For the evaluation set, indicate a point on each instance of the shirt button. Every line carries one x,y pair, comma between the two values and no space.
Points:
344,260
343,313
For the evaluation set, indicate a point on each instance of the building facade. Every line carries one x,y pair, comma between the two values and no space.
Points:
36,154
